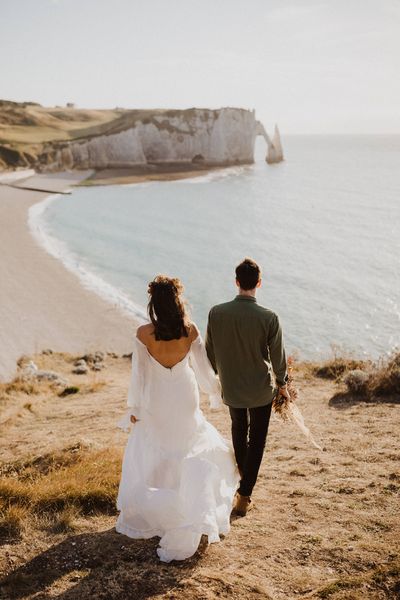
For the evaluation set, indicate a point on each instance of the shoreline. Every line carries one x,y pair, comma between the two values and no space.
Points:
88,279
166,172
42,304
47,300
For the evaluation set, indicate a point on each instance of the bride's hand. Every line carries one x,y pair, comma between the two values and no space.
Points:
134,419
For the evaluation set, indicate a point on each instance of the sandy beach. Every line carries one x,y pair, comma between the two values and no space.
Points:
42,304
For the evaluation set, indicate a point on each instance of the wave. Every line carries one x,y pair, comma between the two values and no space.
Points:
208,176
59,250
215,175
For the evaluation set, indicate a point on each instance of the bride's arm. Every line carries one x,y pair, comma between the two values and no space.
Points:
206,378
136,386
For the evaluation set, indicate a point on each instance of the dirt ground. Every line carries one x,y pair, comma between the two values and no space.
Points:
325,523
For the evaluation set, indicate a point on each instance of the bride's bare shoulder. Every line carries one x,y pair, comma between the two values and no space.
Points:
144,332
193,332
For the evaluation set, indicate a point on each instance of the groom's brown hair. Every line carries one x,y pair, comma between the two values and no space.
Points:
248,274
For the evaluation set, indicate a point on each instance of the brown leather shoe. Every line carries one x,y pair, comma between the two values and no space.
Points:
242,505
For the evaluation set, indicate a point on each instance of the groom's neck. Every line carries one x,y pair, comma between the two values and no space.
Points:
251,293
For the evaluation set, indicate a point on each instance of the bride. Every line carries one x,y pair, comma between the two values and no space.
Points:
179,475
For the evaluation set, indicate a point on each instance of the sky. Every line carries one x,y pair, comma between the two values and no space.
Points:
312,66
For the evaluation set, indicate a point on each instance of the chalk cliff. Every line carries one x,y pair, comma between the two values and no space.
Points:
213,137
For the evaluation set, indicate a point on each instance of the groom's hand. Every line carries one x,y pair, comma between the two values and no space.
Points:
283,391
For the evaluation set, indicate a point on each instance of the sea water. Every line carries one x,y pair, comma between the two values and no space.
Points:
323,225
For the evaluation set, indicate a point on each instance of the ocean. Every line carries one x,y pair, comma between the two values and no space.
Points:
324,226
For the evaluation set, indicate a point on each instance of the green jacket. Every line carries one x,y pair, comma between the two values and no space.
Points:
245,347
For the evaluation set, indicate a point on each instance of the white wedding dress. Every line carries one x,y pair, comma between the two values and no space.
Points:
179,475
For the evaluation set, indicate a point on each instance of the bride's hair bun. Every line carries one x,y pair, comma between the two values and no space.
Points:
167,308
165,283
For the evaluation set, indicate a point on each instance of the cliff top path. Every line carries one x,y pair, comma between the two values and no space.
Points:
325,523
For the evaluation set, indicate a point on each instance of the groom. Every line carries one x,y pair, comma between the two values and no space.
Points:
244,345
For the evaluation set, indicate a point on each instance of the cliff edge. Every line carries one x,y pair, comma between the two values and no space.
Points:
213,137
54,139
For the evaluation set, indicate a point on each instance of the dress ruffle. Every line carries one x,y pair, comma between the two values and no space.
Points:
177,497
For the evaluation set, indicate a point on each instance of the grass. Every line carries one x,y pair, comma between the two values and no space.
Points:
12,522
33,387
23,386
364,378
385,578
59,486
381,381
65,521
385,378
337,366
95,385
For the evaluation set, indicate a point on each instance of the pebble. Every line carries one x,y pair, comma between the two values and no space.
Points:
80,369
79,362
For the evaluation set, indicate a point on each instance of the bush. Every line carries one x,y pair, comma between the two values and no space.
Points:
356,381
385,379
337,366
68,391
382,379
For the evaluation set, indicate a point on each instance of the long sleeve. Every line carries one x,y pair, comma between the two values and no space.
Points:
277,352
206,378
136,390
210,344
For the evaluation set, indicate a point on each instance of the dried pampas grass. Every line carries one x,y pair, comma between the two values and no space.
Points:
289,411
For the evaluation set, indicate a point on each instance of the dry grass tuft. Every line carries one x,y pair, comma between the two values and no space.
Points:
12,522
60,486
42,465
382,582
337,366
382,380
27,387
21,386
66,520
93,386
385,378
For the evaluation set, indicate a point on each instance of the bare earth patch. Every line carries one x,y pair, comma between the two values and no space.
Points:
325,524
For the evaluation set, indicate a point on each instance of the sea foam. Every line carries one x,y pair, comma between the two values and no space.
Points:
59,250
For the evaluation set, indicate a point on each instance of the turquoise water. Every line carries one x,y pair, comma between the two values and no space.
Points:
324,225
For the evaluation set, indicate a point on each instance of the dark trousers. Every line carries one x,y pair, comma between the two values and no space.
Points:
249,434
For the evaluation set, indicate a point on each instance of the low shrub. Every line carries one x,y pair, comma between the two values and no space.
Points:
381,380
356,381
385,378
337,367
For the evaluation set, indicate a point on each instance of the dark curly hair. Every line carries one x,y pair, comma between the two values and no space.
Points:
248,274
166,308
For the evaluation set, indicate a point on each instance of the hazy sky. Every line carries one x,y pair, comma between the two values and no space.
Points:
313,66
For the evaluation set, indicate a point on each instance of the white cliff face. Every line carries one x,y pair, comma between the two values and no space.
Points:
224,136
